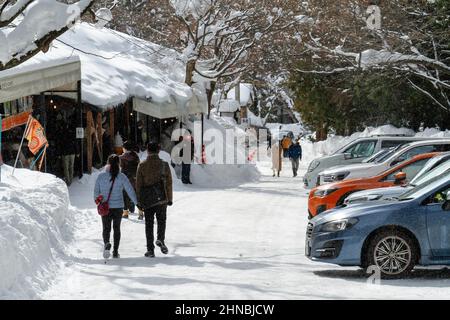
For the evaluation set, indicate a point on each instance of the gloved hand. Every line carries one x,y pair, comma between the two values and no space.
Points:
170,203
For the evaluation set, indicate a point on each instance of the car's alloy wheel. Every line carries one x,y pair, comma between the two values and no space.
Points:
392,255
392,252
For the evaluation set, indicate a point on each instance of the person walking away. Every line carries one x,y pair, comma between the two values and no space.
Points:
129,162
286,143
151,172
68,146
276,159
295,155
187,142
111,184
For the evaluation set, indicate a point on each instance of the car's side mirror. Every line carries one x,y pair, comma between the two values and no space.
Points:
348,156
446,205
400,178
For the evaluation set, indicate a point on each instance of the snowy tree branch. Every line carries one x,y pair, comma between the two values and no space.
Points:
37,28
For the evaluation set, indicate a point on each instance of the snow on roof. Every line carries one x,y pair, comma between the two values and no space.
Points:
246,93
116,66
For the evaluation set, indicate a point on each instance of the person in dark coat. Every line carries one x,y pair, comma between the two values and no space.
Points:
129,162
187,143
295,155
67,145
150,172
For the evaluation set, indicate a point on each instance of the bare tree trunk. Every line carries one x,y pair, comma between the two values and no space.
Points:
190,67
209,95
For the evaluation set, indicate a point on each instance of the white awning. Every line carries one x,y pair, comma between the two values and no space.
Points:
25,80
169,109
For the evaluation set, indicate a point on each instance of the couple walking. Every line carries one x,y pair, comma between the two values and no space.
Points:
293,152
153,177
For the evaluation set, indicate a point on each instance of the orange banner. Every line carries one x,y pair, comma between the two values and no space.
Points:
15,121
35,136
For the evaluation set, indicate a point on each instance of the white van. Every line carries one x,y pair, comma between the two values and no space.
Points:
354,152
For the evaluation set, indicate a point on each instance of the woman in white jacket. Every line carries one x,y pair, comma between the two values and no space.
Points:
276,159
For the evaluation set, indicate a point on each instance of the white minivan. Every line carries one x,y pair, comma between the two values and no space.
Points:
354,152
362,170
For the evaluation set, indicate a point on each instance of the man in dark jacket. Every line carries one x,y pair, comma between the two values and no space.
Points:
68,149
295,155
129,162
187,144
150,172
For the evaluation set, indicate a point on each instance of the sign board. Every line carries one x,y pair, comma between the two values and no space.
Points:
16,120
80,133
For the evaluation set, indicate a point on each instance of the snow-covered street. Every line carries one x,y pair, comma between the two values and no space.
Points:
245,242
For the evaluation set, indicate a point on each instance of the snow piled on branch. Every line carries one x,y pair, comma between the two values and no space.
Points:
35,223
39,19
196,8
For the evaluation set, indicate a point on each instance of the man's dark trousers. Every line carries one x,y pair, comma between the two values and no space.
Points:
160,212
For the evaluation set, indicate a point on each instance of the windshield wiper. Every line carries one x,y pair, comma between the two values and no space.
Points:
405,199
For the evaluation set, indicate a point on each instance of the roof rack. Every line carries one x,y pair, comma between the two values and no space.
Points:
391,135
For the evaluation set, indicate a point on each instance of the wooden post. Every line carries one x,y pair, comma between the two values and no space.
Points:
89,144
80,110
1,157
99,137
127,121
147,129
111,127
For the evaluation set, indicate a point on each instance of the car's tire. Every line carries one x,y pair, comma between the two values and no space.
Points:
393,252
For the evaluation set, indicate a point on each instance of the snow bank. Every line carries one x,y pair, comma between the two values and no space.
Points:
215,175
34,226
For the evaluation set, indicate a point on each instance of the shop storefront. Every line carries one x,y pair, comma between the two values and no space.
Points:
30,91
162,118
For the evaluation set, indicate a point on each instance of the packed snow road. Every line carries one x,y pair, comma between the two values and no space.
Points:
245,242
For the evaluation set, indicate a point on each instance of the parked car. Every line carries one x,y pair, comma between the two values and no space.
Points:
354,152
331,195
362,170
436,166
392,236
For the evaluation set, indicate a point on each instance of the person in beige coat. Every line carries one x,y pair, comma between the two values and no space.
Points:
276,159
